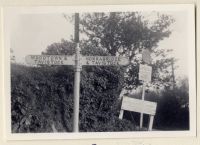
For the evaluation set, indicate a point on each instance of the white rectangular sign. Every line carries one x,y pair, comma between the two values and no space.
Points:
145,72
70,60
140,106
104,60
50,59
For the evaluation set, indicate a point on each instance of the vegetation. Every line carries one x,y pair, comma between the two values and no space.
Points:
42,96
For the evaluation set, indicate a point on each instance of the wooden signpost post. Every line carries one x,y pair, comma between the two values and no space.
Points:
77,61
145,72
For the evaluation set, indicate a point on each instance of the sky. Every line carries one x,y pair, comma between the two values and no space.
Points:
32,33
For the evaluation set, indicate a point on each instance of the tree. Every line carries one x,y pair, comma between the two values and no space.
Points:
126,34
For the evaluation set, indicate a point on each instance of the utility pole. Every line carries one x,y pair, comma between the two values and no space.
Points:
77,76
173,76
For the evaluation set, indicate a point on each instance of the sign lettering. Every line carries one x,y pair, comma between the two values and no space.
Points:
104,60
50,59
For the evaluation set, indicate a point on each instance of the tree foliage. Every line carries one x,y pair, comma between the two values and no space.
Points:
126,34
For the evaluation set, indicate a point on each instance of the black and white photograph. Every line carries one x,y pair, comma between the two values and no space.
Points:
100,69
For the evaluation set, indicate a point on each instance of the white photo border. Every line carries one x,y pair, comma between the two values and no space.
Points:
189,8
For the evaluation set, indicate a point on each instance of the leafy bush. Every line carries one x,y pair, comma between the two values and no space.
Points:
172,112
38,99
42,99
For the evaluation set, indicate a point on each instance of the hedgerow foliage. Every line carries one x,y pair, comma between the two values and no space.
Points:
42,97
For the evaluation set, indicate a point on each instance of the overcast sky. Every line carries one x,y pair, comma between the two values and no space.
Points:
32,33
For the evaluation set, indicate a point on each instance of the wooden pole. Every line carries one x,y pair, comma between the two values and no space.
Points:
151,122
173,76
143,94
121,114
76,77
76,28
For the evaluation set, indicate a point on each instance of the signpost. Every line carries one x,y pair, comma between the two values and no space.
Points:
77,61
145,72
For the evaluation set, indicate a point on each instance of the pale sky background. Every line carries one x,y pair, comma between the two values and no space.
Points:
32,33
